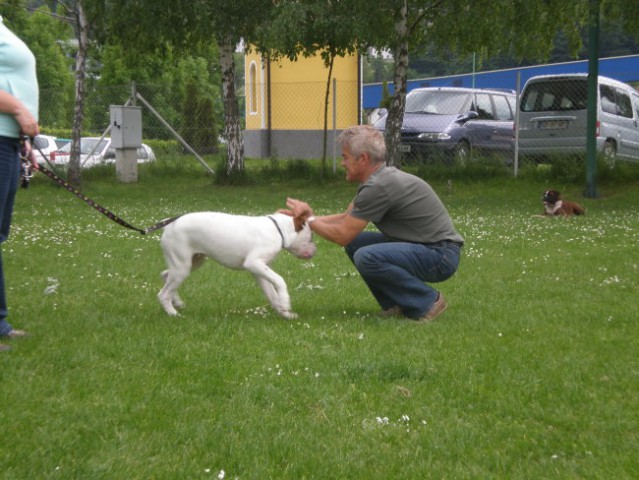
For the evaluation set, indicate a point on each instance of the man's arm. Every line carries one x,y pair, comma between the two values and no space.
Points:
341,229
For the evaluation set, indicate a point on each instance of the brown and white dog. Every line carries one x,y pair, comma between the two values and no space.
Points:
554,205
236,242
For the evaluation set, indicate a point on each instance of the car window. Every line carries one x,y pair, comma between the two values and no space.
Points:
552,95
512,103
484,107
86,146
624,106
607,95
635,99
502,109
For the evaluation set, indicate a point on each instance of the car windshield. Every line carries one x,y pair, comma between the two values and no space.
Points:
437,102
86,145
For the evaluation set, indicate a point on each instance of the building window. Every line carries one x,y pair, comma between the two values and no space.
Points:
253,88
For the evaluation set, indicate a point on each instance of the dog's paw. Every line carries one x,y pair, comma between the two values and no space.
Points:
178,303
167,305
288,315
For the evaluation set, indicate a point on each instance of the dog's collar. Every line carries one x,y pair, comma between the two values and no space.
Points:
279,230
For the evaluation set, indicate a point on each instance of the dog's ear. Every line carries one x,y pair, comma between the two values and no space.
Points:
299,222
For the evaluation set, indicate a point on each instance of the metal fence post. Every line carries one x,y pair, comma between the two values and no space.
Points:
334,125
516,125
593,76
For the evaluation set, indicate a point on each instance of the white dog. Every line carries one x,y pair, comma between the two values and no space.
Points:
237,242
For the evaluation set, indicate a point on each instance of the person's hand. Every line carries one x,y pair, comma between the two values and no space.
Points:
299,208
28,123
30,155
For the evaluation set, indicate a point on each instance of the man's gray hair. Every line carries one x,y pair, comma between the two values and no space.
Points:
364,139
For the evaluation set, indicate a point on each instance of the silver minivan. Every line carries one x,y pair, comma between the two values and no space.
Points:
553,117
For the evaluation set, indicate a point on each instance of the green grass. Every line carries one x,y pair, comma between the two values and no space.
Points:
531,373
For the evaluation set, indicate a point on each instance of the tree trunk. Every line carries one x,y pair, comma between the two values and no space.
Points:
232,127
73,175
392,134
326,102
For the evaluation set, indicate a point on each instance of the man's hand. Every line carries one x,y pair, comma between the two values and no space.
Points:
299,208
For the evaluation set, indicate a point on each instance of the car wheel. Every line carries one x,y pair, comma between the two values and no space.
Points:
610,154
461,153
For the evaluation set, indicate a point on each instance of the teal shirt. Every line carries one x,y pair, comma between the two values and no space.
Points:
404,208
17,77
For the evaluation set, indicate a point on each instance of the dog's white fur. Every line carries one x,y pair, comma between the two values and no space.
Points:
237,242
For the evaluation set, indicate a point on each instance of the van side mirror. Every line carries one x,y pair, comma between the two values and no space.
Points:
470,115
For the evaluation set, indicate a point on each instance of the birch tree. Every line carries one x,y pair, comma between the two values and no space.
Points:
185,25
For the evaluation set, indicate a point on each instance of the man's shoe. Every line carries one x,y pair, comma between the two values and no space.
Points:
4,348
391,312
16,334
438,307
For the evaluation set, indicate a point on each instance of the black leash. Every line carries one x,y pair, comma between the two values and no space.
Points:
100,208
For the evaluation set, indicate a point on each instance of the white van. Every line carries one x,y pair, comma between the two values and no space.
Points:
553,117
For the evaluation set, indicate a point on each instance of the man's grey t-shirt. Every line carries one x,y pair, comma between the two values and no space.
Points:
404,208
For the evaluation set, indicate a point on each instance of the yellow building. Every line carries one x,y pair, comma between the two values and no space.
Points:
285,104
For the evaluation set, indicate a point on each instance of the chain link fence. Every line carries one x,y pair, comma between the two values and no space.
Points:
439,125
299,120
195,117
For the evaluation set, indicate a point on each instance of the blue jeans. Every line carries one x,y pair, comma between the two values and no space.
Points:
395,272
9,177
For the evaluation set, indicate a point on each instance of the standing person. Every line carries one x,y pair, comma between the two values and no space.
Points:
416,241
18,117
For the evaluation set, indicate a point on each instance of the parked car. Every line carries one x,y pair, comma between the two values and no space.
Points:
46,144
453,122
553,117
101,153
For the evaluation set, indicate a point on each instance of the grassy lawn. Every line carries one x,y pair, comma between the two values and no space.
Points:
532,372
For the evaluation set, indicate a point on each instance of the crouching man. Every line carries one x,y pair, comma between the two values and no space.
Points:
416,243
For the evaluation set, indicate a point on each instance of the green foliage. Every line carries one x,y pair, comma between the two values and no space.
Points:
526,375
198,120
387,98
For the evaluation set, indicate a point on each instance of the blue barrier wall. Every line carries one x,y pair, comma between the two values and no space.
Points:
625,69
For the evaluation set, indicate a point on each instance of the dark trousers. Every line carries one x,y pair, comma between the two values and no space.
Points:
9,178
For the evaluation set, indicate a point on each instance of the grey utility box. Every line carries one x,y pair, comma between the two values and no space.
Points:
126,138
126,126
